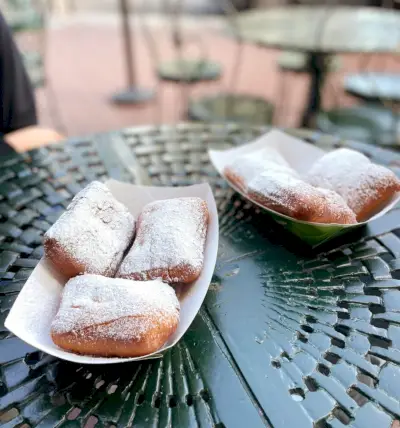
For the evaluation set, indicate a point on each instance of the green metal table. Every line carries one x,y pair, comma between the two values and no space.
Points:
287,336
370,122
376,87
319,31
381,92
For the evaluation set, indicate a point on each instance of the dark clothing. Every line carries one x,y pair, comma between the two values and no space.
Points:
17,101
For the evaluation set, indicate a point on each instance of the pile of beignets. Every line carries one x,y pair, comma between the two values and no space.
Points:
342,187
119,300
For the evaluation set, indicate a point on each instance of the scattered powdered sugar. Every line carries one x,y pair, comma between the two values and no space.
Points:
352,176
255,163
170,233
114,308
95,230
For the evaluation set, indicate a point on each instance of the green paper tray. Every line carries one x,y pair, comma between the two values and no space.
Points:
300,155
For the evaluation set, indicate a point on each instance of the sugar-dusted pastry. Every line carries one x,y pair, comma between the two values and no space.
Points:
169,243
114,317
244,168
336,210
295,198
92,235
365,186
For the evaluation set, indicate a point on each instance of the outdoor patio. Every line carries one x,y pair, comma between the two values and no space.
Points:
85,66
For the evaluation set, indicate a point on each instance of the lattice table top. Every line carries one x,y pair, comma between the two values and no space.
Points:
322,28
287,336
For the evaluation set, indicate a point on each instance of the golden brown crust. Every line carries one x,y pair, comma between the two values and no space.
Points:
384,189
184,274
114,317
313,206
295,206
237,180
335,209
88,341
246,167
91,235
365,186
61,260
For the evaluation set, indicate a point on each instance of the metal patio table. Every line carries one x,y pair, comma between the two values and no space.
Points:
287,336
376,87
320,31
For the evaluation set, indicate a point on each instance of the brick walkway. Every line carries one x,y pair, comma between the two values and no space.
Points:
86,66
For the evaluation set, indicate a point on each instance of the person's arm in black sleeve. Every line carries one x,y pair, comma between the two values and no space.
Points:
18,126
18,108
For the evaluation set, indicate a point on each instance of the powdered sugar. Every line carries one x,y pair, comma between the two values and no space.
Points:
352,175
294,197
116,308
339,210
95,230
171,233
255,163
283,189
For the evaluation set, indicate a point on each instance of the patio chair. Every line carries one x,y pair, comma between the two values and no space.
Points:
186,69
377,120
369,123
228,105
374,87
297,62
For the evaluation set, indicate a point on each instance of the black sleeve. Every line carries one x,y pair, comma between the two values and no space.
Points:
16,95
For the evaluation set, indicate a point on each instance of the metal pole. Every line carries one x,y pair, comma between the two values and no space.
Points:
128,46
133,94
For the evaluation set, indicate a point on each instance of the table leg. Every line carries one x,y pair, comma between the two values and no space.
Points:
395,124
133,94
317,70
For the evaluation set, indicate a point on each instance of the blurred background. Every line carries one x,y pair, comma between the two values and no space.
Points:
100,65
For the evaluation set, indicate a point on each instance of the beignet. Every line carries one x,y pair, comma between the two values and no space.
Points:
365,186
297,199
114,317
243,169
92,235
170,240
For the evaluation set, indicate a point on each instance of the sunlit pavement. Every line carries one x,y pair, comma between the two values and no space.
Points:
85,66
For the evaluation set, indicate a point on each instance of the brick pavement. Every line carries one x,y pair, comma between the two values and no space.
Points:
85,66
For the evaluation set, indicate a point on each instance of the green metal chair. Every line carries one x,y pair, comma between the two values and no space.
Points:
224,107
189,71
184,69
375,87
229,105
297,62
371,123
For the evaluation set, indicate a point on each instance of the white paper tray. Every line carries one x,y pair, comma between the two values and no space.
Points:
32,313
300,156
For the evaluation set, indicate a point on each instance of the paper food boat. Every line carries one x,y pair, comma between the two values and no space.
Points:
300,156
32,313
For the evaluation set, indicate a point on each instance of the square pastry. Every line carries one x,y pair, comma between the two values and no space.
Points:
92,235
170,240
